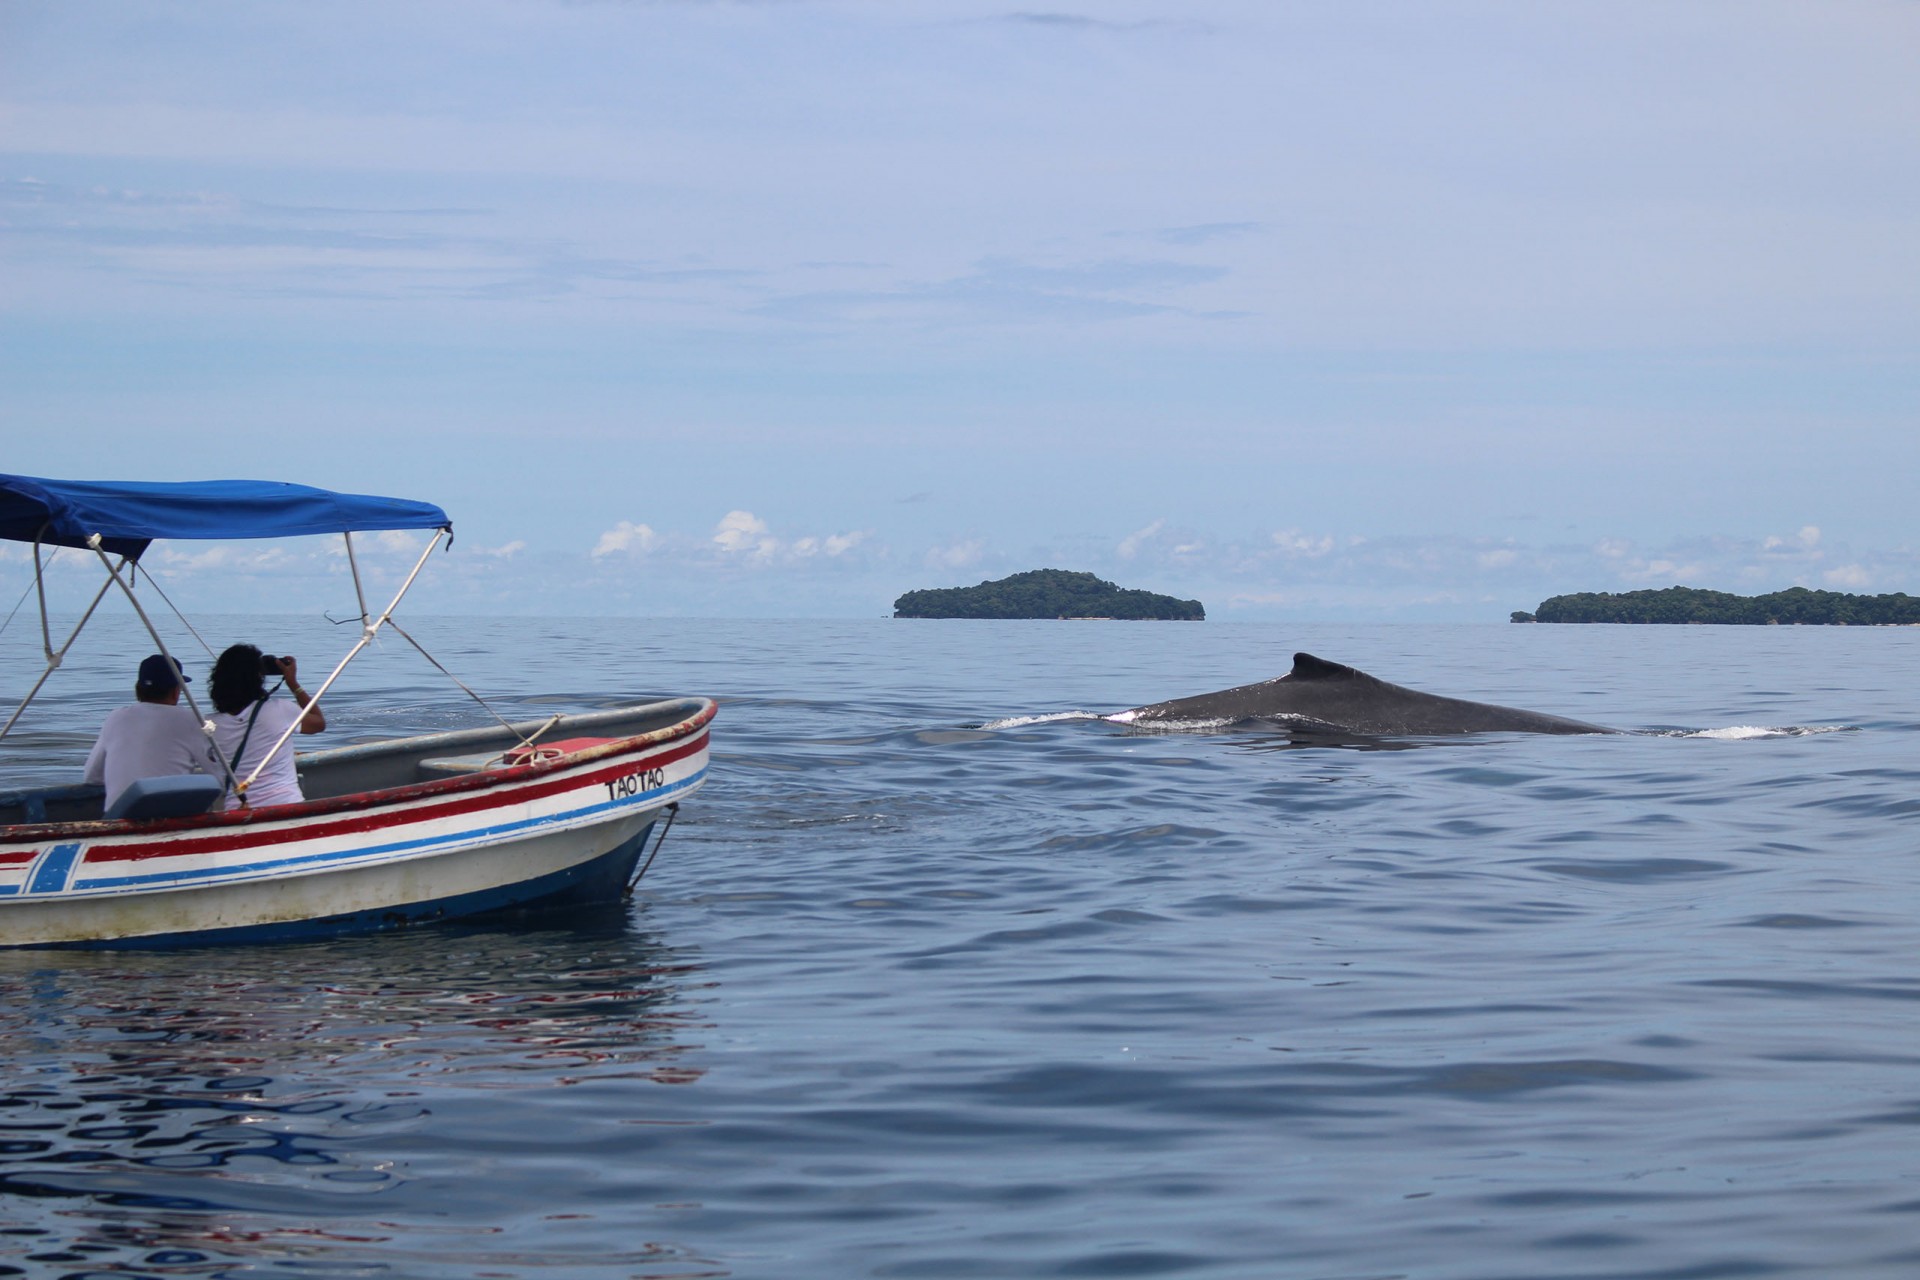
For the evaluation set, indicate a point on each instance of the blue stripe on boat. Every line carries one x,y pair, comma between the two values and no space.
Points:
51,869
596,882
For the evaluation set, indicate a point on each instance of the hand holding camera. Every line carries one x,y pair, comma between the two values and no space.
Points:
284,667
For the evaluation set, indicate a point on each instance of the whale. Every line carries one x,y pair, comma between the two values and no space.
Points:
1322,696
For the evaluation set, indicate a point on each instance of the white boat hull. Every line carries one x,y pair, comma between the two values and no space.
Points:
464,841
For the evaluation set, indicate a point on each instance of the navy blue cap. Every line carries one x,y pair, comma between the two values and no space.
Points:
159,674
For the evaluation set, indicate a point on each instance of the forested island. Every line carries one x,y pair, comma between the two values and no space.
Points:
1796,606
1047,593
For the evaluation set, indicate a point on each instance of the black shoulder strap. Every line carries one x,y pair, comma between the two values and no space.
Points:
233,766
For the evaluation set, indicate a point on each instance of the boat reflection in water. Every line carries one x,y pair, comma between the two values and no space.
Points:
323,1101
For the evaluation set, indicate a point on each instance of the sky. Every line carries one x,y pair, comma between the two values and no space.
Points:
1309,310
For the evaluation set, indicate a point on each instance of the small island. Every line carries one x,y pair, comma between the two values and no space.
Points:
1796,606
1047,593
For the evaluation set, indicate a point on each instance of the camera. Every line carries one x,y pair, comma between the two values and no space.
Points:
269,665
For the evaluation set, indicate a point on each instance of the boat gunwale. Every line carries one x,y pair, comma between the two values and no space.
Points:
94,830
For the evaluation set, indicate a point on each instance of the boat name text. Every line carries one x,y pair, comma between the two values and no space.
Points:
634,783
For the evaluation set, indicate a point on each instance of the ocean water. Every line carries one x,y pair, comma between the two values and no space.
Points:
936,980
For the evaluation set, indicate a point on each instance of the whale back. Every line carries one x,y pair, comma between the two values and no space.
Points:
1319,694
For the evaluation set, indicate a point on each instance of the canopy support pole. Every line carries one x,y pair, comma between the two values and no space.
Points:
56,657
40,585
354,565
368,631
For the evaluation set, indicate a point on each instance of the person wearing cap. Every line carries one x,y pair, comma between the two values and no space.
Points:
154,737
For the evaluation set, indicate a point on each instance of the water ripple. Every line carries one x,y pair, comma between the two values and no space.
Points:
941,976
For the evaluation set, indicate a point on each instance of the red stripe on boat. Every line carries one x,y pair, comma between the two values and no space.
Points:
492,797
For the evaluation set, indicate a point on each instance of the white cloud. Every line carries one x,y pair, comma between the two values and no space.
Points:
241,557
1290,575
1130,545
401,542
1665,572
625,538
1802,543
1291,542
1851,577
958,555
373,544
838,544
743,533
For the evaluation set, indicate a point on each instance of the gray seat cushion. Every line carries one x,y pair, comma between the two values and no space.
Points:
180,796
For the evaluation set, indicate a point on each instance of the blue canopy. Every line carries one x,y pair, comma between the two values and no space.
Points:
128,514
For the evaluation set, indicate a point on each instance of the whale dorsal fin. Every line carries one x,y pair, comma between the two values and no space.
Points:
1308,667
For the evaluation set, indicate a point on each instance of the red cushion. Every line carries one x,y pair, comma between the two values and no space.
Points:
553,750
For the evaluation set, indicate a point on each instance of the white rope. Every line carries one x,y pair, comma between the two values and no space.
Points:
367,632
27,592
55,657
155,584
525,741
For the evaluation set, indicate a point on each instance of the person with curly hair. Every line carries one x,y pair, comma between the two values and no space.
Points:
248,721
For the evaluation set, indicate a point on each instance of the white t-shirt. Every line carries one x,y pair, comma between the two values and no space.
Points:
148,740
277,783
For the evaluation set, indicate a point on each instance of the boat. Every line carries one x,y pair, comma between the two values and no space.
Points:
511,817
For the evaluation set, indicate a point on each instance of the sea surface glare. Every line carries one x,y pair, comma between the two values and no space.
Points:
931,981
